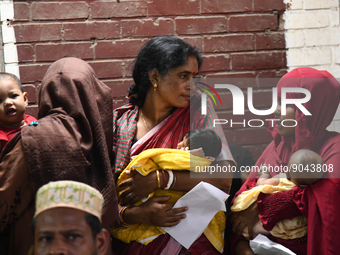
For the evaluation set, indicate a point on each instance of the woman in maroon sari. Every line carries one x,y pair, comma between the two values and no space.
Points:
317,202
158,116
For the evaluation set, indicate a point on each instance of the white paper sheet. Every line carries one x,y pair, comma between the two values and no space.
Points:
203,201
261,245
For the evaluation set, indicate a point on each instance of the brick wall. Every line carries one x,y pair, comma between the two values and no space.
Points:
313,38
242,39
2,68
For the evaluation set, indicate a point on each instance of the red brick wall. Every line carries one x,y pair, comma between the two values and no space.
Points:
238,38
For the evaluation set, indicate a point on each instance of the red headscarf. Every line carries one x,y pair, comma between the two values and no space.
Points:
311,129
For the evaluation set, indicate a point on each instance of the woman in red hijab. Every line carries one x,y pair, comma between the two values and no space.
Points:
318,202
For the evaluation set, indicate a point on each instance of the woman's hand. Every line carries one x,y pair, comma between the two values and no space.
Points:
245,221
137,187
242,247
158,213
155,212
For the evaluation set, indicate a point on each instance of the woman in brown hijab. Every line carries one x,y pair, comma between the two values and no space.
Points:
71,141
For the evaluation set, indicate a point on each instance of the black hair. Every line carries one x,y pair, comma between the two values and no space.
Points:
94,223
162,53
90,219
4,76
310,157
34,224
206,139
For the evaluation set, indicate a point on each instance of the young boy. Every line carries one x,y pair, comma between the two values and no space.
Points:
13,103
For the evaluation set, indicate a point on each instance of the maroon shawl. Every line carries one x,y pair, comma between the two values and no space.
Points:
318,202
73,139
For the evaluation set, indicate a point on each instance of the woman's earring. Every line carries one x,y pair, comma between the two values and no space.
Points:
155,86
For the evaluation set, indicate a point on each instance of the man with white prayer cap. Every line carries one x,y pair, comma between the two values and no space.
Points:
68,220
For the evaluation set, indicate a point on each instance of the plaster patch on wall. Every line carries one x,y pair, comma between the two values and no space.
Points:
10,53
313,38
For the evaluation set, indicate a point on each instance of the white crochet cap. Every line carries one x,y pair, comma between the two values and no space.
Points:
70,194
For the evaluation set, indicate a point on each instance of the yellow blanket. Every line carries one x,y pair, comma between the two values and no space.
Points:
286,229
167,159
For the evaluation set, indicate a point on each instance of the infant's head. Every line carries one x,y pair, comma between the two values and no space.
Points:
13,101
305,167
206,139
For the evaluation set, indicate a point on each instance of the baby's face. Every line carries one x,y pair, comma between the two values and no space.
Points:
184,144
13,103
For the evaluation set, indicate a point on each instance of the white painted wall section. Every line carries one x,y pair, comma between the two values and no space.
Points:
313,38
8,38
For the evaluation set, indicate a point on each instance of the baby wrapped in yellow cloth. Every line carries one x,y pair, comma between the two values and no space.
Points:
302,166
286,229
167,159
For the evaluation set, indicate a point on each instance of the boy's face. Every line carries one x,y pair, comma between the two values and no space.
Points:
182,145
13,103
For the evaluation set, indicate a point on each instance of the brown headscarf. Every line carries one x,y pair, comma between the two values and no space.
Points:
73,138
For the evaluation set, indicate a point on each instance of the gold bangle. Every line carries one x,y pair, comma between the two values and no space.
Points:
158,180
121,216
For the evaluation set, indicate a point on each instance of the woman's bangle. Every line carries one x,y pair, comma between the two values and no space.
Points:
171,178
121,212
158,180
174,181
164,179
